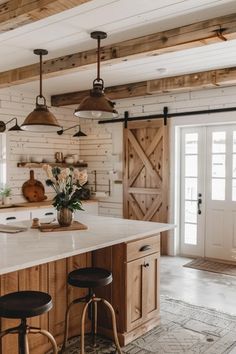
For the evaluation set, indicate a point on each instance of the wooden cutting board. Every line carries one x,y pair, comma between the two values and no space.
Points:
33,190
56,227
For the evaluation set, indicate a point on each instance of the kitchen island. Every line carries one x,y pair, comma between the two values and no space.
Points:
37,260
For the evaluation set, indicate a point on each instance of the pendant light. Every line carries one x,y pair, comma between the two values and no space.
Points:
41,119
97,105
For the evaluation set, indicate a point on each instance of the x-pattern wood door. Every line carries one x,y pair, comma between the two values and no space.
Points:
146,171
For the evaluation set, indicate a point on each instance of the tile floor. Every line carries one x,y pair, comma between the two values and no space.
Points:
197,287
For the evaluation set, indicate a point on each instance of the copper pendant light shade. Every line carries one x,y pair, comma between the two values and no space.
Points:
41,119
97,105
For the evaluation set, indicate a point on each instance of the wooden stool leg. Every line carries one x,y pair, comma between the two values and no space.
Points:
47,334
83,326
76,301
26,344
113,317
95,319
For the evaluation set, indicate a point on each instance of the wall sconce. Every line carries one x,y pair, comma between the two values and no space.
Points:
15,127
78,134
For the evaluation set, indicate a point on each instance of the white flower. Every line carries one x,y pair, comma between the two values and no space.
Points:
83,177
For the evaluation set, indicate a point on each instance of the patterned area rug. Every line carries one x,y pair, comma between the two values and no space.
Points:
184,328
211,266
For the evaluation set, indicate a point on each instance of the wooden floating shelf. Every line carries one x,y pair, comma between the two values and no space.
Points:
53,164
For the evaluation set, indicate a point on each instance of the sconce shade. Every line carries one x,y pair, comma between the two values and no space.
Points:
79,134
41,120
15,128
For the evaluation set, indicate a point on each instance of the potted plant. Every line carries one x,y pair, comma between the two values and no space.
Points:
66,183
5,193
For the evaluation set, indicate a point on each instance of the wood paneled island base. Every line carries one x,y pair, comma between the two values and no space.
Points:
131,250
51,278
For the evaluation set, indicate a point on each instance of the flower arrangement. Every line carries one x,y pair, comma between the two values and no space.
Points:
67,184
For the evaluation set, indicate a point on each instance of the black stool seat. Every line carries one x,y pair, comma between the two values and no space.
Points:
24,304
89,277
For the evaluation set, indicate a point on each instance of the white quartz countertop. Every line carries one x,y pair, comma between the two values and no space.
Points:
33,247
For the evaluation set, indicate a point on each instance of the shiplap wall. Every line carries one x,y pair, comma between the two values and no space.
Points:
102,149
103,146
25,145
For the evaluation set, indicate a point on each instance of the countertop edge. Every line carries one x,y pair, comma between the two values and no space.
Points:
37,262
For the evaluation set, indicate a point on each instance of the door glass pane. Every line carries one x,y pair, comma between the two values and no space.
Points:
234,165
234,141
191,212
191,188
218,142
191,165
190,234
234,190
218,189
218,165
191,143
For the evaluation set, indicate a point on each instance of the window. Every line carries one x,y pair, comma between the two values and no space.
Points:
3,159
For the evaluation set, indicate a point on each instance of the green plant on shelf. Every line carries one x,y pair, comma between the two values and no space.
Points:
5,191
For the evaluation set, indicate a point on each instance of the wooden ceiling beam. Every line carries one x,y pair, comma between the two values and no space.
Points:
190,36
16,13
206,79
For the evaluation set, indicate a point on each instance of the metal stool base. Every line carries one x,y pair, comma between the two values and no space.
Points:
23,330
90,300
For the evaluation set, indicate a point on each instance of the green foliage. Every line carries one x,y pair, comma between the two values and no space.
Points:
5,191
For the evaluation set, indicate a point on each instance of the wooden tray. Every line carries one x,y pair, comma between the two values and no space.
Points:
56,227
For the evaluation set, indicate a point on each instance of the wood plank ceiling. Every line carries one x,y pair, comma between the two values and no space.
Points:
161,52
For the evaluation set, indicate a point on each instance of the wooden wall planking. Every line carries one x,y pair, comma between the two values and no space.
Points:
102,148
25,145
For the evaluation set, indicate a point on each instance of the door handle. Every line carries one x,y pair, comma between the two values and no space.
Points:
11,218
199,202
145,248
49,213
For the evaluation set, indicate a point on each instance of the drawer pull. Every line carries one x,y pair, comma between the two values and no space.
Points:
49,213
145,248
11,218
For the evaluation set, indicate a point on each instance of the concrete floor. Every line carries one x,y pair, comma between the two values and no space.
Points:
197,287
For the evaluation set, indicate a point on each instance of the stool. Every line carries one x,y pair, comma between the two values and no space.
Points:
90,278
22,305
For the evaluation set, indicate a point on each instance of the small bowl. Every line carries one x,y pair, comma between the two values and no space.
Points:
69,160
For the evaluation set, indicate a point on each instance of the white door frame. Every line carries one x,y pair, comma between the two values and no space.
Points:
174,197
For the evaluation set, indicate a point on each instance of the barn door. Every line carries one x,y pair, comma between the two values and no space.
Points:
146,171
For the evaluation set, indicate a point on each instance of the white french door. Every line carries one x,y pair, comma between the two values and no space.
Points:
208,191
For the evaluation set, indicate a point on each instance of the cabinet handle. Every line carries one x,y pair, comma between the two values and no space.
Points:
145,248
49,213
11,218
146,265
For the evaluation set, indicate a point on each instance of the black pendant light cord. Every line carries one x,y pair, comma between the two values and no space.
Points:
98,59
40,75
98,35
40,53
